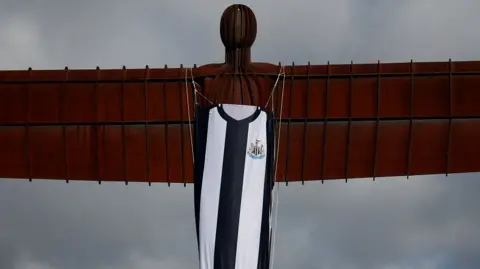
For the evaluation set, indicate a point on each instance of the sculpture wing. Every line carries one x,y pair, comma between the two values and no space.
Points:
132,125
379,120
99,125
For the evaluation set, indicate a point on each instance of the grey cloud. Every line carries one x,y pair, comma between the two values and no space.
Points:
85,225
424,222
373,225
361,224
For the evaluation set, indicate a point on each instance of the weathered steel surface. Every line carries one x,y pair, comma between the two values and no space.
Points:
237,80
162,153
428,90
338,121
399,122
103,153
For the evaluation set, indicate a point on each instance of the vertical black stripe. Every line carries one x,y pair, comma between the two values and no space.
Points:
264,249
201,132
230,194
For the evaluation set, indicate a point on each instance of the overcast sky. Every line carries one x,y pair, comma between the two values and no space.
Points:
421,223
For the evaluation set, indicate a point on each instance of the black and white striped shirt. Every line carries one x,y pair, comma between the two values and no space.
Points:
234,152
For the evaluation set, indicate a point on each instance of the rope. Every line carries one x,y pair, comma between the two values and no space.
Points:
194,84
282,72
188,111
277,187
195,88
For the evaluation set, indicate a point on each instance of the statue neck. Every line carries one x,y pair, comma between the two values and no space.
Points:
238,58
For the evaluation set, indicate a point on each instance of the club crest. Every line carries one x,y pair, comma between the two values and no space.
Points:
256,150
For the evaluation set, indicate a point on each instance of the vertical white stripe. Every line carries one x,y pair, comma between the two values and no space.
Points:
210,193
251,208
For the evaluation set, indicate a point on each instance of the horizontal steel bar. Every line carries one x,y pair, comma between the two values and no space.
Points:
284,120
269,75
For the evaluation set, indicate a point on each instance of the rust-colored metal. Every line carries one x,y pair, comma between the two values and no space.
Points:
431,97
237,81
338,121
428,148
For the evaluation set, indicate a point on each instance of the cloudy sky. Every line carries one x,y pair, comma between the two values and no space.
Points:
421,223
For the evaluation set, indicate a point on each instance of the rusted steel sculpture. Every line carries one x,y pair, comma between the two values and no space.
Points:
338,122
